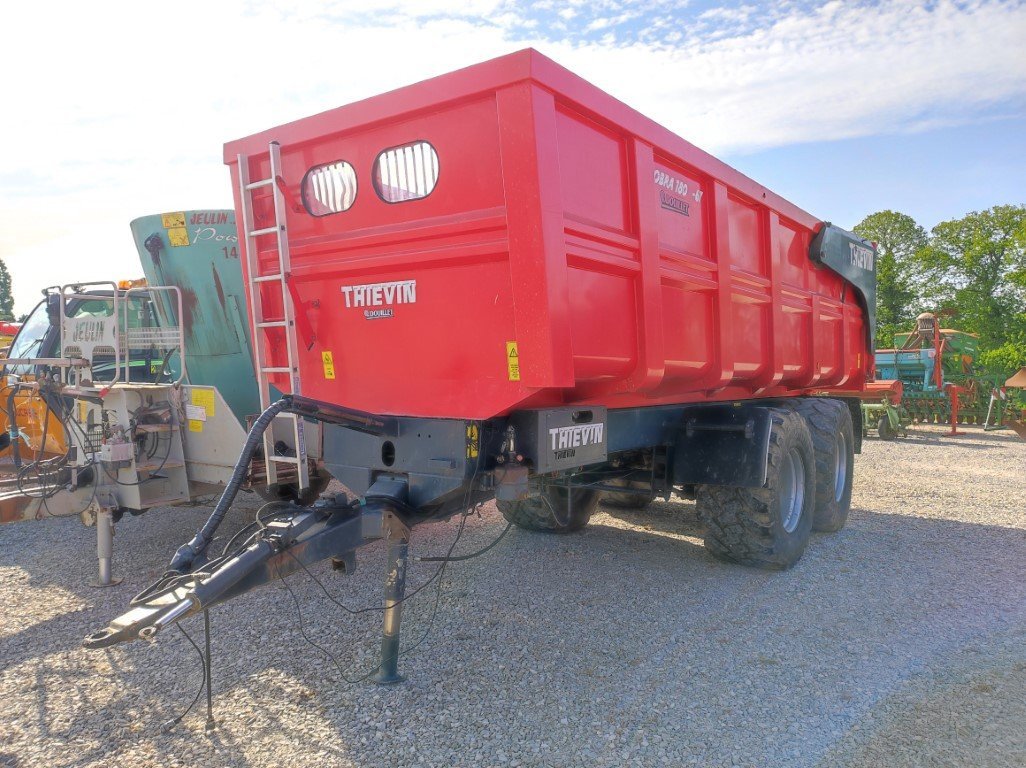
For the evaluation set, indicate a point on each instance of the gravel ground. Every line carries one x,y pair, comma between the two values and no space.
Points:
900,641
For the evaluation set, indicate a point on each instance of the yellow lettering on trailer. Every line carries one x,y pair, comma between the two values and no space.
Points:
329,364
204,398
178,236
172,220
513,361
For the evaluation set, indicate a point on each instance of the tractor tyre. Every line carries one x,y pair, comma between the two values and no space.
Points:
629,500
551,511
834,444
766,527
885,430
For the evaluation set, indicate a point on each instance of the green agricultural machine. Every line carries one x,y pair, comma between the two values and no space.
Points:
937,369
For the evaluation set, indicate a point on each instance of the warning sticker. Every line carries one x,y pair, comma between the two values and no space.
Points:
203,397
170,220
195,425
473,435
195,412
329,365
513,361
178,236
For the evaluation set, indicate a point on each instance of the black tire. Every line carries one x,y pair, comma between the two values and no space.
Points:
833,440
549,513
757,526
883,428
629,500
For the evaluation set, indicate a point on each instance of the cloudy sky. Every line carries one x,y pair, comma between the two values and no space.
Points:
117,110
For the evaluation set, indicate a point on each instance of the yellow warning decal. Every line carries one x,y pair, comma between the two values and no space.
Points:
472,441
204,398
195,425
170,220
178,236
329,364
513,361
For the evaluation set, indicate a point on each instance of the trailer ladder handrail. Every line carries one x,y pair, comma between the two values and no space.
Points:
260,324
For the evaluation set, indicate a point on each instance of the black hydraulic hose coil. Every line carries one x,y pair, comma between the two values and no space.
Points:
188,553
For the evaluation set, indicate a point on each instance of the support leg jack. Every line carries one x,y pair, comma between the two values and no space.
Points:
105,548
398,538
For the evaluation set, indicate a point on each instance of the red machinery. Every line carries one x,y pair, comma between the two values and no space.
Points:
627,266
504,283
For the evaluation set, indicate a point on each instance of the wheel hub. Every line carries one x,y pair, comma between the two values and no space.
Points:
792,490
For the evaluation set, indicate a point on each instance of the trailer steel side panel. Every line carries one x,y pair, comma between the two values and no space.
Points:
571,251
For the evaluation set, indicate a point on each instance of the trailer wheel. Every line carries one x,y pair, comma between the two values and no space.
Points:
834,444
768,527
629,500
548,512
883,428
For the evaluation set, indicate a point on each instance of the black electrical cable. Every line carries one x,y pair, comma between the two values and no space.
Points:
322,649
471,556
210,725
166,727
286,506
438,588
423,637
445,562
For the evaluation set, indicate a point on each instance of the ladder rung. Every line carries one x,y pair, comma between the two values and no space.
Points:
276,370
261,183
266,278
273,324
285,460
264,231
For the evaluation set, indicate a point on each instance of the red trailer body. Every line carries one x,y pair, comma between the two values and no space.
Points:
570,251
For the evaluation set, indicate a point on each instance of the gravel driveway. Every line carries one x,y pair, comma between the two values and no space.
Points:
899,641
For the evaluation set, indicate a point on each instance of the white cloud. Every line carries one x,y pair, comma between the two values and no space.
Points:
117,111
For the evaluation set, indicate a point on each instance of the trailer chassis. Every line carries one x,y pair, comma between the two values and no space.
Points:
408,470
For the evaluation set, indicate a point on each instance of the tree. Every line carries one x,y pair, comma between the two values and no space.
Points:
898,240
6,297
977,266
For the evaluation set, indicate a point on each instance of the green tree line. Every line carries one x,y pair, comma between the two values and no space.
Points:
971,271
6,297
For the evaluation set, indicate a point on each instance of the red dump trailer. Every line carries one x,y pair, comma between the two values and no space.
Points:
503,282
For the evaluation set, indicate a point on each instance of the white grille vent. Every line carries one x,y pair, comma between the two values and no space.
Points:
405,173
329,188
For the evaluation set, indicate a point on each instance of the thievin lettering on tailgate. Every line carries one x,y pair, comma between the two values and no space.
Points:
565,440
861,256
381,294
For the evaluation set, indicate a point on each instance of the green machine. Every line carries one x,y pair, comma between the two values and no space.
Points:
199,251
936,365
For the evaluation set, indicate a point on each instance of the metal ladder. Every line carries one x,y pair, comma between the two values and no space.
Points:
260,323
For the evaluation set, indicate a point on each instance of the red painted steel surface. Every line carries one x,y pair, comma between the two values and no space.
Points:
629,267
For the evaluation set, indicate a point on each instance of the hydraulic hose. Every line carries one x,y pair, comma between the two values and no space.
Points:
187,554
